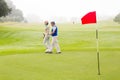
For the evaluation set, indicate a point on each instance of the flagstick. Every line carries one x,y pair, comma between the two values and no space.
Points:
98,54
91,18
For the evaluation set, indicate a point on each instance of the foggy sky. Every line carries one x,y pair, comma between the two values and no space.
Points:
47,9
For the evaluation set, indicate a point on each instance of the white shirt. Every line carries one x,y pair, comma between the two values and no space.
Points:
47,29
54,28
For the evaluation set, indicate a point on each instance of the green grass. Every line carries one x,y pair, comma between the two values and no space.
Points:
22,54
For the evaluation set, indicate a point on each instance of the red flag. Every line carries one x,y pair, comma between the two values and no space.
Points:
89,18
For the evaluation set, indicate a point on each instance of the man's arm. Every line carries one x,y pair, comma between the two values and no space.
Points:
54,29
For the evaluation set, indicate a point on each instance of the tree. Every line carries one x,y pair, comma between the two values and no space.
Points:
4,9
117,18
16,15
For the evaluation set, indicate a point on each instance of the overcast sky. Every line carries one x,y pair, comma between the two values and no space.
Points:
67,8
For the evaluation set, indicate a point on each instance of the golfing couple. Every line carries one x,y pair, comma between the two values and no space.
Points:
54,34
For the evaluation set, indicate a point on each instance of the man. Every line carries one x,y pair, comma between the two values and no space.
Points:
54,33
46,40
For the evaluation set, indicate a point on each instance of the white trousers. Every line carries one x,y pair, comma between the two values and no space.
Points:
55,44
46,41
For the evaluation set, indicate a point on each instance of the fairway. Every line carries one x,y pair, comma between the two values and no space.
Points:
22,54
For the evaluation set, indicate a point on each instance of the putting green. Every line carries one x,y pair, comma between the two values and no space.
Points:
22,54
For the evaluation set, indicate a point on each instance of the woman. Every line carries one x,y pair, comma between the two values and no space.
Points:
46,40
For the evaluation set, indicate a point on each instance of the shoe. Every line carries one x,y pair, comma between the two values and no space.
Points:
46,52
59,52
50,52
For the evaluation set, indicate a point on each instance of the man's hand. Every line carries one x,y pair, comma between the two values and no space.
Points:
43,35
51,33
